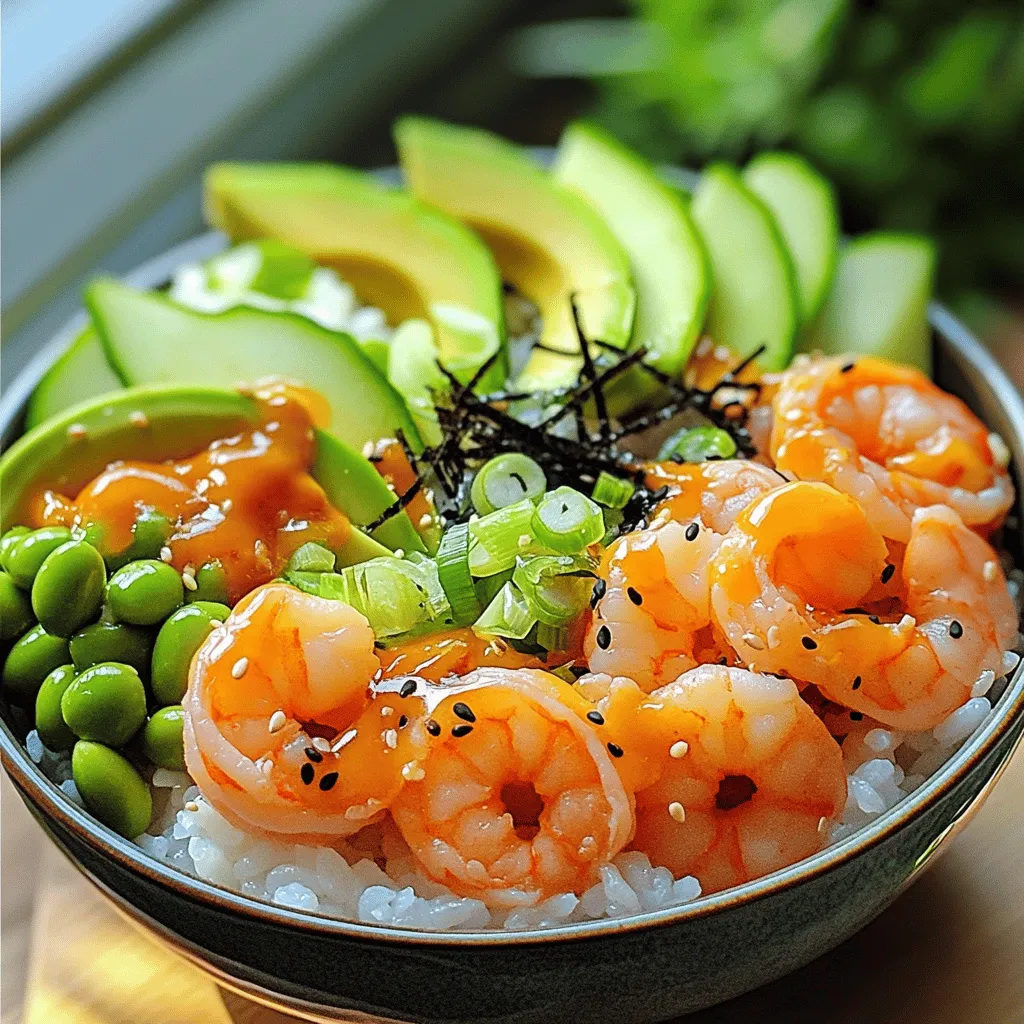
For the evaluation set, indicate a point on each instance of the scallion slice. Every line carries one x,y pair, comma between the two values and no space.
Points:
496,539
505,480
567,521
507,615
698,444
612,491
553,638
556,587
311,557
453,571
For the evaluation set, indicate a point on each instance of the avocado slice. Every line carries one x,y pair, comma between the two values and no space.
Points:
549,243
878,303
398,253
69,450
754,299
151,340
81,372
804,206
652,223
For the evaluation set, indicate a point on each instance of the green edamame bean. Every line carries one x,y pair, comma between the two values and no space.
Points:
211,584
145,592
106,704
50,724
176,644
15,610
217,611
150,533
111,788
30,661
68,589
28,553
8,540
162,739
112,641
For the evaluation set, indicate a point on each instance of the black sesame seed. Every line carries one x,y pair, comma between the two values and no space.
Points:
847,367
314,755
408,688
599,591
856,683
328,781
956,630
660,493
604,638
875,619
463,711
615,750
378,646
433,728
307,773
808,643
461,730
634,596
692,530
887,573
596,717
856,716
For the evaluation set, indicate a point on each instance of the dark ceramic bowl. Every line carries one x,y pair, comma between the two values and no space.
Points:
648,967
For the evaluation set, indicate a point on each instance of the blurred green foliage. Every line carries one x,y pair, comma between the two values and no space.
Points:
915,108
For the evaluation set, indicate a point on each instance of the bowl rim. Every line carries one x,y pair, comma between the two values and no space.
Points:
48,799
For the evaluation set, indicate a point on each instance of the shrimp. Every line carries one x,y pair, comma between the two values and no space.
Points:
519,798
281,733
790,583
652,617
889,437
733,774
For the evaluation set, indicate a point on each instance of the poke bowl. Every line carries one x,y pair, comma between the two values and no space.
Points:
457,602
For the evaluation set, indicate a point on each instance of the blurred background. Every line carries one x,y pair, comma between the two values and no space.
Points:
111,108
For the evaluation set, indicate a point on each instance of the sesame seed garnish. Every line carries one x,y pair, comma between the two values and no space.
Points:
138,419
425,520
599,591
754,641
192,806
433,727
260,550
413,772
368,449
328,781
604,638
189,582
1000,452
344,741
399,552
856,716
772,636
808,643
268,766
463,711
408,688
634,596
887,573
846,367
403,721
216,622
615,750
386,711
78,431
524,540
461,730
314,755
596,717
956,630
239,668
857,682
165,554
319,743
678,749
677,812
391,738
277,721
990,571
306,773
822,824
692,530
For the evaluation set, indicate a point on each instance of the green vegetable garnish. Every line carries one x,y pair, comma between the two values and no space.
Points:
698,444
567,521
505,480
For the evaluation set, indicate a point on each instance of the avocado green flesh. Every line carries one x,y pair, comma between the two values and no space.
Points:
651,222
82,372
548,242
151,340
754,299
878,303
805,209
398,253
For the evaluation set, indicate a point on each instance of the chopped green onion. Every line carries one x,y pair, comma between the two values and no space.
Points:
698,444
505,480
553,638
496,539
612,491
507,615
311,557
556,587
395,594
487,586
453,571
568,521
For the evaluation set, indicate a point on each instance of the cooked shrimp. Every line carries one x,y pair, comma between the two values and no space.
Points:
652,618
280,731
791,581
734,775
452,653
519,798
889,437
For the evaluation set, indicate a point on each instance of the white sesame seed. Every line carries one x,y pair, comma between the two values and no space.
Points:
190,569
990,571
344,740
319,743
413,772
425,520
822,824
165,554
473,517
677,812
907,622
216,622
391,738
1000,452
192,806
587,846
77,431
386,710
138,419
268,766
679,749
754,641
368,450
239,668
429,495
399,552
705,346
260,550
524,540
189,582
277,721
722,354
773,636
